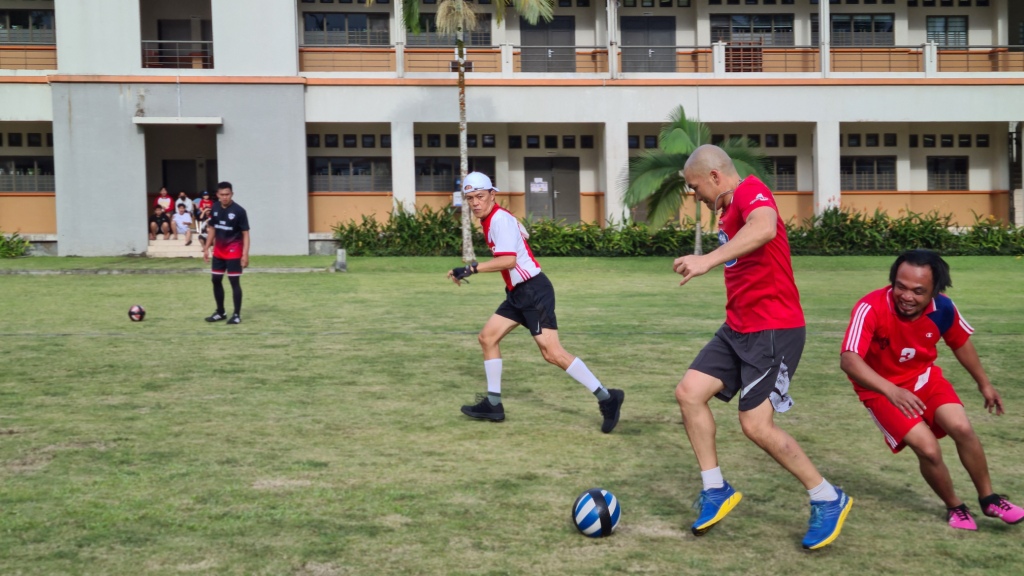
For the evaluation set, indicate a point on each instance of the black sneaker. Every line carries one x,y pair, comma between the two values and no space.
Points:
484,410
610,409
216,317
235,319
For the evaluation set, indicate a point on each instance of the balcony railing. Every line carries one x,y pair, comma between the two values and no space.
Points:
27,183
719,59
347,38
28,36
436,183
350,183
28,57
947,181
867,181
177,54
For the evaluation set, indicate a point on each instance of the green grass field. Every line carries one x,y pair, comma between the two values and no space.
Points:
323,435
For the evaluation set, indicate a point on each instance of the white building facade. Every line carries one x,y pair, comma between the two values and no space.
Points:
320,112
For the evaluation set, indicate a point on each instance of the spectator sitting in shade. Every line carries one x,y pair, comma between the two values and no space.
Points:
159,223
165,201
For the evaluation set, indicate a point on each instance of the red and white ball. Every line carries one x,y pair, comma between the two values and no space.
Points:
136,313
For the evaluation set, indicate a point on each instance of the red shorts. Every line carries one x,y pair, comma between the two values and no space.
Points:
894,425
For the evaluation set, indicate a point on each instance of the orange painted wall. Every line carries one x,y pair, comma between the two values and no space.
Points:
962,205
28,213
327,209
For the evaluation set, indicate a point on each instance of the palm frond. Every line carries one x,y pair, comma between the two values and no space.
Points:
654,177
681,135
454,16
531,10
410,15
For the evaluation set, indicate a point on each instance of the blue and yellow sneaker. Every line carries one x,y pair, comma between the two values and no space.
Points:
827,519
712,506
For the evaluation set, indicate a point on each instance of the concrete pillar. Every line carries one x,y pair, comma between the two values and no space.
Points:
931,58
613,38
827,192
403,166
615,165
398,38
825,37
718,59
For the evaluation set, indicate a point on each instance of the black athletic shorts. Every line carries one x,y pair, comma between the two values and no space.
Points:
757,366
232,266
532,304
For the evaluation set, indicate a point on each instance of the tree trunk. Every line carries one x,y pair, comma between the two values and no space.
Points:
467,223
698,235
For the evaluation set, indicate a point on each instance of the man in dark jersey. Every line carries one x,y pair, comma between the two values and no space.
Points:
756,352
228,234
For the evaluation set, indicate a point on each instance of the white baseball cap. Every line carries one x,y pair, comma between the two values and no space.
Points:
477,181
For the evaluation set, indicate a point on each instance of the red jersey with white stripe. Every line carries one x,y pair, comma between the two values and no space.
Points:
761,293
902,351
506,236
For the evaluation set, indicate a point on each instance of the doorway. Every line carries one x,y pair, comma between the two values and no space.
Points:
549,46
553,188
648,44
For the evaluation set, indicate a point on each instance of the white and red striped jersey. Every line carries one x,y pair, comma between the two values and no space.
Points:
506,236
902,351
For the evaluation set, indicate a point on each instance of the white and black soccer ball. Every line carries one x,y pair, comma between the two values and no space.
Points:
136,313
596,513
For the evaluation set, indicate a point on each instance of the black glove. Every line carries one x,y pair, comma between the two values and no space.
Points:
464,272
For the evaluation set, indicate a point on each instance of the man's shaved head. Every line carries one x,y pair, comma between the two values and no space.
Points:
709,157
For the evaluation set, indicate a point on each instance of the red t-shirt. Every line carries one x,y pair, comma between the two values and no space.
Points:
205,203
760,289
902,351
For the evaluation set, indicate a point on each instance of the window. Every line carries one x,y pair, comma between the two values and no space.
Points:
533,141
928,140
946,140
551,141
789,140
947,31
913,140
853,140
515,141
341,29
871,140
26,174
428,35
858,30
634,142
34,139
369,141
867,173
586,141
771,140
349,174
440,174
889,139
964,141
14,140
312,140
470,140
981,140
568,142
27,27
330,140
757,29
349,141
385,140
433,140
717,139
947,173
650,141
783,168
488,141
451,140
754,140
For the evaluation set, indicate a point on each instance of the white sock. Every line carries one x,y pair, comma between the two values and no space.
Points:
824,492
493,370
712,478
580,373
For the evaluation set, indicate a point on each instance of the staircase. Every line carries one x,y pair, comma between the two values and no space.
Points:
161,248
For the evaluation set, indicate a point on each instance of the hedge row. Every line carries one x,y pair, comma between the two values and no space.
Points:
835,232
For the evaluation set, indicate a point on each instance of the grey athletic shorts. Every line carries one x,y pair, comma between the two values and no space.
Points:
756,366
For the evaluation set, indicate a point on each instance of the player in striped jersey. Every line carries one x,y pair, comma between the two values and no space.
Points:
529,300
889,353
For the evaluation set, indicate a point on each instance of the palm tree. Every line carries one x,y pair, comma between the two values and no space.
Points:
455,18
656,176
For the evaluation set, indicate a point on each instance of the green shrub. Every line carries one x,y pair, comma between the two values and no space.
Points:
13,245
835,232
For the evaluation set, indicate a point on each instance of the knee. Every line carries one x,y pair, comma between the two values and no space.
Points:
961,431
486,340
929,453
688,394
550,354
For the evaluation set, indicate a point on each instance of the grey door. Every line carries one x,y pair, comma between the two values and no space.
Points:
549,46
648,43
553,188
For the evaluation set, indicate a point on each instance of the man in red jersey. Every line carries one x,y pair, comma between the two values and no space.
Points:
889,354
529,300
756,352
228,234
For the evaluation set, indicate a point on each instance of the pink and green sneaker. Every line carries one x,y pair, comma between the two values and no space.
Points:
960,518
997,506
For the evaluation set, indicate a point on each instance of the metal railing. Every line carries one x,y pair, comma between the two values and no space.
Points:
981,59
867,181
177,54
28,36
436,183
947,181
350,183
28,57
478,59
682,59
27,183
790,59
474,39
878,59
581,59
785,182
349,38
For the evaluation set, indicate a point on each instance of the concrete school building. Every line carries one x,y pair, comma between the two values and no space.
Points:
321,111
